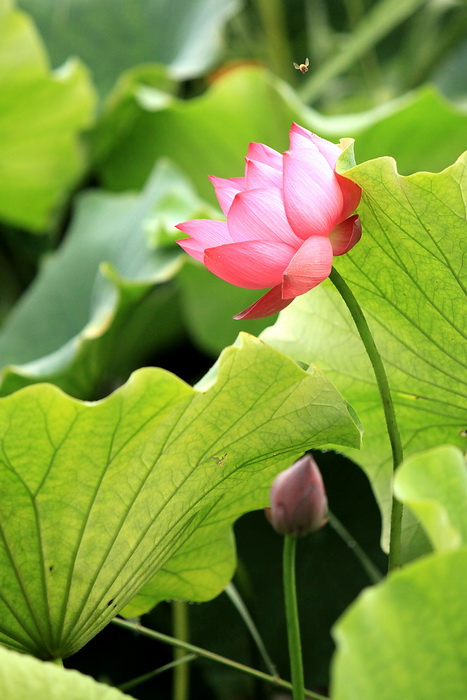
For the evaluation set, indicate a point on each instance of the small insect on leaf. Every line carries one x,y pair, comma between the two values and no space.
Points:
219,460
303,67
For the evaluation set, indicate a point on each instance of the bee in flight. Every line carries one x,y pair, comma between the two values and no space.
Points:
303,67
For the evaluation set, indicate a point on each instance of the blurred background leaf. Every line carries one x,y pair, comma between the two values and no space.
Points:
204,136
90,317
41,115
110,37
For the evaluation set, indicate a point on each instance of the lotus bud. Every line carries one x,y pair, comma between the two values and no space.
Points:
298,499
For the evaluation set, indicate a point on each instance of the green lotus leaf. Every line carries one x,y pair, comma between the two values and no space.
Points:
407,273
97,498
111,37
434,486
23,677
41,115
202,566
407,637
98,307
205,136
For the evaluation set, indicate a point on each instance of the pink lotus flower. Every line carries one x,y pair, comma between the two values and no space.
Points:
286,219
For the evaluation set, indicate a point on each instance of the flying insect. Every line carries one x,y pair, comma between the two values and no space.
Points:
303,67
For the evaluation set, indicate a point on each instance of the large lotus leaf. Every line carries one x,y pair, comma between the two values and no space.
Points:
111,37
434,485
41,115
98,497
407,637
23,677
90,314
407,273
200,569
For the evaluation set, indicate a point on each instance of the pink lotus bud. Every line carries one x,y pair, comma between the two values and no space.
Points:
287,217
298,499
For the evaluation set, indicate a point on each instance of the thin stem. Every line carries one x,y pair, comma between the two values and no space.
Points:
204,653
124,687
291,614
374,574
181,671
237,601
388,407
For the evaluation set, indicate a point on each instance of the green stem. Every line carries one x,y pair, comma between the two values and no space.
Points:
242,610
374,574
388,407
129,685
291,614
204,653
181,671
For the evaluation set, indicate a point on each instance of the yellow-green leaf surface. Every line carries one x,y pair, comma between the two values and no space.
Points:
99,497
202,566
41,115
407,637
434,486
408,274
23,677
